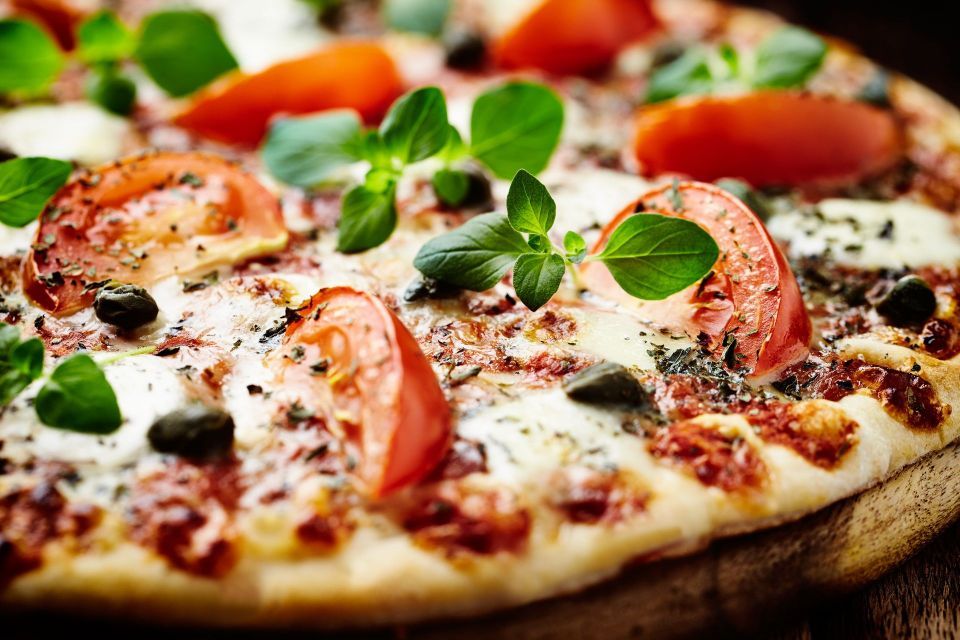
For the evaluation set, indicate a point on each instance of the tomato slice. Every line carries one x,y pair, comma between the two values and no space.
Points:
345,75
749,311
767,138
60,17
144,218
360,369
574,36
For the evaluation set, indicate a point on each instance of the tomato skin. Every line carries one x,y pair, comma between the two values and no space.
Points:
146,217
346,75
59,17
377,386
767,138
574,36
753,295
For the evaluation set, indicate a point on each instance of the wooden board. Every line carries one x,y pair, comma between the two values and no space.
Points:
737,585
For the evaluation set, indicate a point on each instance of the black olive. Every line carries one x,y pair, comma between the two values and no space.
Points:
125,305
757,203
605,383
196,431
465,49
423,288
909,301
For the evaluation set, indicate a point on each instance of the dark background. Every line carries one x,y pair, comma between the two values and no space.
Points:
921,38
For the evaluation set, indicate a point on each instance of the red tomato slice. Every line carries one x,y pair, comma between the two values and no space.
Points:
60,17
144,218
752,296
768,137
345,75
574,36
374,383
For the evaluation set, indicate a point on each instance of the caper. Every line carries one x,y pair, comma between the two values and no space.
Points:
125,305
464,49
756,202
424,288
605,383
195,431
909,301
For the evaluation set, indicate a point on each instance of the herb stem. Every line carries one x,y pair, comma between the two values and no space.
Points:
142,351
575,276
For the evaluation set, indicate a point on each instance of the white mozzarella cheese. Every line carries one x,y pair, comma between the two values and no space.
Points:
77,131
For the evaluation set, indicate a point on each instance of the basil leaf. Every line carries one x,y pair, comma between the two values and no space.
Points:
29,60
304,151
27,358
451,186
183,51
20,363
367,218
114,92
539,243
788,58
77,397
475,255
516,126
536,277
575,246
416,126
454,149
416,16
530,208
687,75
26,184
653,256
102,38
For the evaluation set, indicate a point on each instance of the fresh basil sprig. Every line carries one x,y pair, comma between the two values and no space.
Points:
786,59
181,51
514,125
75,396
26,185
650,256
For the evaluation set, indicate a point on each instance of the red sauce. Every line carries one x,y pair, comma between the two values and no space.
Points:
463,458
62,339
820,436
458,521
324,531
585,496
713,458
31,518
940,338
184,513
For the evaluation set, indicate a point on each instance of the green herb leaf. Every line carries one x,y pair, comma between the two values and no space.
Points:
653,256
575,246
20,362
183,51
475,255
29,60
451,186
114,92
454,149
516,126
304,151
788,58
416,16
687,75
102,38
77,397
530,208
367,219
540,244
536,277
26,184
416,126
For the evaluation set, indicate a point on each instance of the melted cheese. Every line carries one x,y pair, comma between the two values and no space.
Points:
77,131
870,235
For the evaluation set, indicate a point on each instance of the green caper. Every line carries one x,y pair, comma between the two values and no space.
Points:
424,288
125,305
464,49
195,431
605,383
909,301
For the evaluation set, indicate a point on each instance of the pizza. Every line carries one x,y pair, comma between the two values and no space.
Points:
347,314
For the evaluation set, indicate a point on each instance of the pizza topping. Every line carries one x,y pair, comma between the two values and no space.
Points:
198,432
26,184
767,138
586,496
145,218
552,36
377,388
717,460
605,383
748,310
821,433
458,520
125,305
909,300
464,49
